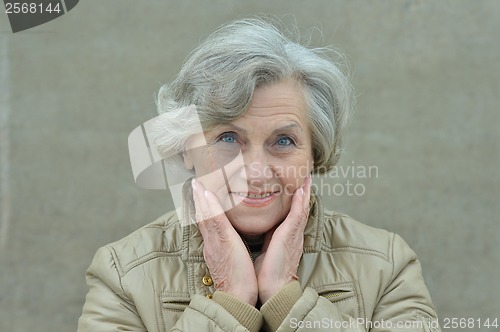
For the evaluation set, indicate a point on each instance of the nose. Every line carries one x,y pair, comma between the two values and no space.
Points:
258,170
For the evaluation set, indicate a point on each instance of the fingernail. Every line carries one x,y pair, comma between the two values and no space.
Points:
302,191
206,193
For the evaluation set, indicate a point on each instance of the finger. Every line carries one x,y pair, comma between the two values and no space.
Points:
205,201
299,209
209,214
307,194
200,207
213,204
297,206
199,201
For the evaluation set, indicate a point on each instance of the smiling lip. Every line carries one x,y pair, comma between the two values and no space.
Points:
255,199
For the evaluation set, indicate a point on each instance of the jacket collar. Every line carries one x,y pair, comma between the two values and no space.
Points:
192,240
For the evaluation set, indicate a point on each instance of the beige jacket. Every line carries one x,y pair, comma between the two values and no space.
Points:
352,278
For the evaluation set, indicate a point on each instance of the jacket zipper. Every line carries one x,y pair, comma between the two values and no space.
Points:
248,249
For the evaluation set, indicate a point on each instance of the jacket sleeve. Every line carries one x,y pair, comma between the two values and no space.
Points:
203,314
404,305
107,308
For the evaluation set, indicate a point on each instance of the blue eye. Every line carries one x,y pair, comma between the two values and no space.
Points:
228,138
284,141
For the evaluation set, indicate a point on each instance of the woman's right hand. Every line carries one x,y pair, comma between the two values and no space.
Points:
226,255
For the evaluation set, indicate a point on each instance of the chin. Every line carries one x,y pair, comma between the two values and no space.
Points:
253,224
250,231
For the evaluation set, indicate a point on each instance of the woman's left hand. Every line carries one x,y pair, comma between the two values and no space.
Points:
282,249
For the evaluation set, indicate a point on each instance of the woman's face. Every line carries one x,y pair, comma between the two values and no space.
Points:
265,155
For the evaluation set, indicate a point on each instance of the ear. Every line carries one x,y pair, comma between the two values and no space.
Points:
188,161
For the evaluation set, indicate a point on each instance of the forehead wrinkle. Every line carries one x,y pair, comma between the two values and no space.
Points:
292,125
282,97
277,121
263,111
274,108
231,125
286,103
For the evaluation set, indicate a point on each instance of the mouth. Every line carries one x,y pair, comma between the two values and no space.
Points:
255,199
251,195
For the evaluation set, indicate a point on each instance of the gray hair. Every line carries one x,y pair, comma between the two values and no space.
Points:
221,74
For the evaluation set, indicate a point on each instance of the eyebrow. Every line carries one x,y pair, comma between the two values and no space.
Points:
292,125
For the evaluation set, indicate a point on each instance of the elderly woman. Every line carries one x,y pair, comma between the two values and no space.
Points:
254,248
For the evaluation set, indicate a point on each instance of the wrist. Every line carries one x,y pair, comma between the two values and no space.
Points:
279,306
250,298
265,293
246,314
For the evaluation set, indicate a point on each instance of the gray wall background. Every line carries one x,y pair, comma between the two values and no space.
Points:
427,77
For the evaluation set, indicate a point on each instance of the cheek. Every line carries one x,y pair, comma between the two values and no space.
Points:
204,160
293,172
